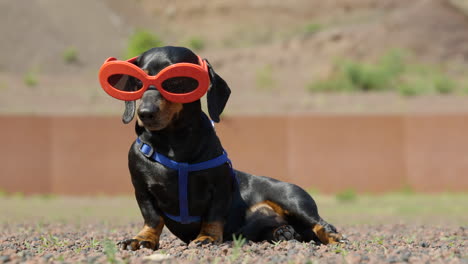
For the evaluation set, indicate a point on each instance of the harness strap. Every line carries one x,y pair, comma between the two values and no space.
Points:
183,170
183,192
188,220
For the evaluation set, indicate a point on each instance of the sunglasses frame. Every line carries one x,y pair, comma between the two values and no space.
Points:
113,66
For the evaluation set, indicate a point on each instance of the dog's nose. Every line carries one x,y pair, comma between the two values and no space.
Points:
147,112
149,106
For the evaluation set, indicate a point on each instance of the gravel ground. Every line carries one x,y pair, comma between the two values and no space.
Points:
392,228
95,243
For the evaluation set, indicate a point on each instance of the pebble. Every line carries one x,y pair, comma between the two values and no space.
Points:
392,259
157,257
4,259
424,244
405,256
47,256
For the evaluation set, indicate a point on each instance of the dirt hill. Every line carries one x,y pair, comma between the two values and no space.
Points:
269,51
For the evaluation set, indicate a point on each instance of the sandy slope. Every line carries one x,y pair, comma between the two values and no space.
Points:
241,38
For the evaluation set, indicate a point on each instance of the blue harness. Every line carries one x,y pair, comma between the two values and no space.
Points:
184,169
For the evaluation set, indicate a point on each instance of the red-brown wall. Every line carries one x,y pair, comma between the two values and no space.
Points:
437,152
372,153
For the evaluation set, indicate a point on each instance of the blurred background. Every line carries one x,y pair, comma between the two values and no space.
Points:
337,96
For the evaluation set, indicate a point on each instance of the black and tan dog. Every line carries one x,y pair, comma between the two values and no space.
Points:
220,202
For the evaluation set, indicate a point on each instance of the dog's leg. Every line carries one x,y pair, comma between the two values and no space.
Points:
321,232
211,232
265,221
317,229
327,233
148,237
212,226
301,212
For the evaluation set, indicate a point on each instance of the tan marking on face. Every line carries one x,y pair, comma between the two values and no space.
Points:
167,111
150,234
326,237
211,232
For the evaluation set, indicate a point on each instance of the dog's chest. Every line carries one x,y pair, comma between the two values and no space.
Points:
161,181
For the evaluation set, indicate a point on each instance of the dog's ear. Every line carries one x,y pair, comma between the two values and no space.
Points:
129,84
129,112
218,94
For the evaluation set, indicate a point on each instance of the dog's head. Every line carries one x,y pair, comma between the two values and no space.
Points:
154,112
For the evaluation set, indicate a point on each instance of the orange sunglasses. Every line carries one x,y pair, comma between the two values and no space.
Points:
180,82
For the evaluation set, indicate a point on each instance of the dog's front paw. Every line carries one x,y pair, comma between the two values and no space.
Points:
135,244
211,232
201,240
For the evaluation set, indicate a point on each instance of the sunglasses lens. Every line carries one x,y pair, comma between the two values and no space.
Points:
125,82
180,85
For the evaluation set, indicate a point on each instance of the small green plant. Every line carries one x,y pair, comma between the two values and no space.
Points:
94,243
45,242
348,195
264,77
3,193
40,250
357,76
449,238
393,62
410,239
374,77
30,78
312,28
378,240
443,84
196,43
238,242
341,251
70,55
141,41
412,88
27,245
366,77
110,249
51,241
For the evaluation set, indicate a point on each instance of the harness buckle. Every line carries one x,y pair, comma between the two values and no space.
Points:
146,150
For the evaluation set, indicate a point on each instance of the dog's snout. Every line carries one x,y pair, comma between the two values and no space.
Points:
149,106
147,112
